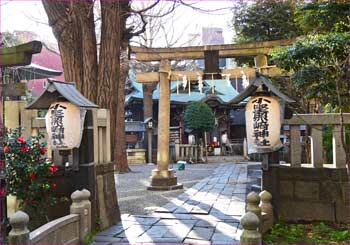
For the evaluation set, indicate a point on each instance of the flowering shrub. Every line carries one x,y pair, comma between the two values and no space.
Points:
28,170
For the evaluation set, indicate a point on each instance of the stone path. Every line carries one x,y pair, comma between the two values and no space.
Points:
207,213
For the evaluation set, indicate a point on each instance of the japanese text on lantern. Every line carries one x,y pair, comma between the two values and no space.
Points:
261,121
57,127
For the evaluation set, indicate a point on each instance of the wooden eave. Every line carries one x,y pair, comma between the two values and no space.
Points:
197,52
19,55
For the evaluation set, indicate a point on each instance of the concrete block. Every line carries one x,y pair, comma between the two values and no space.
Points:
307,190
305,211
286,188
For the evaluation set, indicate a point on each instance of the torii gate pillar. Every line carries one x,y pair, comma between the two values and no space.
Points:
164,178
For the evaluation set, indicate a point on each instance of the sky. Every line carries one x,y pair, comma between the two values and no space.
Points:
31,16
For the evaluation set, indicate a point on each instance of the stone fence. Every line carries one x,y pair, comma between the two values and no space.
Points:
258,218
311,191
188,152
316,122
70,229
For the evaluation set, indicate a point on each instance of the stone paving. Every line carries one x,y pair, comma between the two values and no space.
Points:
207,213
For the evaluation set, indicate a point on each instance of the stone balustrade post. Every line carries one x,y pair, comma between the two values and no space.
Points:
267,218
87,203
177,151
265,202
316,146
245,149
250,234
253,201
295,146
79,207
339,159
19,233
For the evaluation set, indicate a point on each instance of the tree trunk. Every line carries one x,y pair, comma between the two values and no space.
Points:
99,80
67,30
84,11
120,141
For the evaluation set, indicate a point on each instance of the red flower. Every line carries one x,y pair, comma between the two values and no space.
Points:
43,151
2,192
53,185
24,149
53,169
6,149
31,176
21,140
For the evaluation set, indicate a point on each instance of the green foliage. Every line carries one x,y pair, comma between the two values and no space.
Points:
319,62
199,117
28,171
8,39
322,16
318,233
264,20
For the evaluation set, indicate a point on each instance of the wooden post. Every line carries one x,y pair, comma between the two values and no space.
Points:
260,60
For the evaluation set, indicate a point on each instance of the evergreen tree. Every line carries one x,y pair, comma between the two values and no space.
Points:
199,118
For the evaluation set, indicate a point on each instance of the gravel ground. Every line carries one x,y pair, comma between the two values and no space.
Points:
133,198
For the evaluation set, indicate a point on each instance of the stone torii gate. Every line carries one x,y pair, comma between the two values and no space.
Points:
12,56
164,178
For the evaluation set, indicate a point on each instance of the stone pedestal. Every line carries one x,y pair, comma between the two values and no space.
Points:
164,180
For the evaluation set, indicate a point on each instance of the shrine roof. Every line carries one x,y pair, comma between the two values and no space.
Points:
258,81
223,92
134,126
60,91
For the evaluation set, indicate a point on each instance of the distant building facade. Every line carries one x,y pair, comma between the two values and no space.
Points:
213,36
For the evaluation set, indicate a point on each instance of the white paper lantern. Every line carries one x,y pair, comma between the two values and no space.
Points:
263,124
64,125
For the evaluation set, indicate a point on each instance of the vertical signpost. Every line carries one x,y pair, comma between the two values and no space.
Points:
13,56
